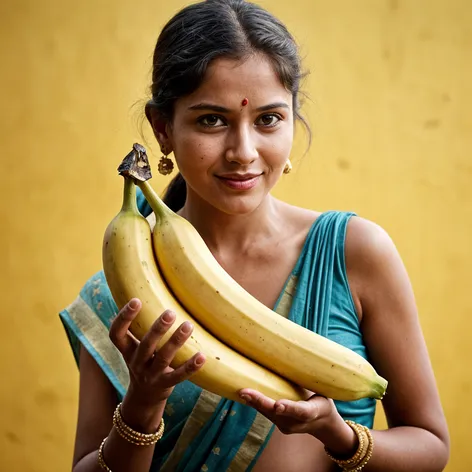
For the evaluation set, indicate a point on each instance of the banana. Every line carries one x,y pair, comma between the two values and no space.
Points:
131,271
238,319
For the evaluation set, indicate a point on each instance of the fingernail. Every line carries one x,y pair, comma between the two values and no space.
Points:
133,304
280,409
167,316
199,361
186,328
246,398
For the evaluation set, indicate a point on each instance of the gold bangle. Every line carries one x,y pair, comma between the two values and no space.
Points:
135,437
101,461
363,453
364,439
358,455
368,454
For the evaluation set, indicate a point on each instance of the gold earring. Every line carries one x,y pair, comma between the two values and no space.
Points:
165,166
288,167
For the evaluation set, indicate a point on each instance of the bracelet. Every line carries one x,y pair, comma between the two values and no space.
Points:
135,437
358,455
369,451
101,461
363,453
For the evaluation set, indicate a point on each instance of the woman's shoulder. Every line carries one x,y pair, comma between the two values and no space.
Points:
301,219
366,240
371,257
362,235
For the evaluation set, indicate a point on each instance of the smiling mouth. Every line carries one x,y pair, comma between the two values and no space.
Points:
240,182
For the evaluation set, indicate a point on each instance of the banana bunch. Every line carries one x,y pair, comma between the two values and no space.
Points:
131,271
246,344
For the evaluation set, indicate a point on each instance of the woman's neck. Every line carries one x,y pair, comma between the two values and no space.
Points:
223,232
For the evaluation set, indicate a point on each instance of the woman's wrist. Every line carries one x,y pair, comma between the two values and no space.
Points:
141,417
338,437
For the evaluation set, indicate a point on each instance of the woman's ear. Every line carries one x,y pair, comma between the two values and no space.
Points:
159,127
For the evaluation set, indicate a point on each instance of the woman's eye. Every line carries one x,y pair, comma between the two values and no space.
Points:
270,119
211,121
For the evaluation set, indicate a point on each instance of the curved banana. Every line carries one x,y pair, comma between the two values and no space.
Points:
131,271
231,314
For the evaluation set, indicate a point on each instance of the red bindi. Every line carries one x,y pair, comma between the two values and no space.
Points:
244,102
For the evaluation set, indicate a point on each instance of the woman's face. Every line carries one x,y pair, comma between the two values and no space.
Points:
232,137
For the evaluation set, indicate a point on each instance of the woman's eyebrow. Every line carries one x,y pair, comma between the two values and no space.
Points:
272,106
220,109
209,106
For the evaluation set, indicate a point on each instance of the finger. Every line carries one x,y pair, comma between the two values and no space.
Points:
166,353
301,411
185,371
257,400
150,340
119,333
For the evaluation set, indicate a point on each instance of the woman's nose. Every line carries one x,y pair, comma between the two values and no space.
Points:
242,147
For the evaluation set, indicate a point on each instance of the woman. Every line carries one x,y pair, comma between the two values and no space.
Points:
225,98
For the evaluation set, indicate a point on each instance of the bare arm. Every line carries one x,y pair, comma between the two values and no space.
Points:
97,401
151,382
417,439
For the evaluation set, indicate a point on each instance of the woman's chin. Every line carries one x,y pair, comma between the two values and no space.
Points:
240,206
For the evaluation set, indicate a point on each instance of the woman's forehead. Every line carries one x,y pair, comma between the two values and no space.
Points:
232,81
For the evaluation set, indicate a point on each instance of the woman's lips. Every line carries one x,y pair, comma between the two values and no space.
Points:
240,184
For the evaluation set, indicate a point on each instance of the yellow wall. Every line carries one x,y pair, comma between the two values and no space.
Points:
390,105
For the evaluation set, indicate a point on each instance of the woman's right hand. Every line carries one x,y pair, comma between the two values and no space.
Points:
151,377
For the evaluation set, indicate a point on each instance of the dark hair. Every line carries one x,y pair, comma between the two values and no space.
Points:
208,30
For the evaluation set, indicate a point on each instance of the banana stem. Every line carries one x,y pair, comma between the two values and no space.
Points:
129,196
160,209
136,170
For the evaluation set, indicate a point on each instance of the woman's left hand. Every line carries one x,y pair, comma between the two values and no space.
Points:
293,417
316,416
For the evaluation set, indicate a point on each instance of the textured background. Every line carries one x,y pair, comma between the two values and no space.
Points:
390,102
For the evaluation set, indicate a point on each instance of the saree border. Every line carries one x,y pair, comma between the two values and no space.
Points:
94,335
203,410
